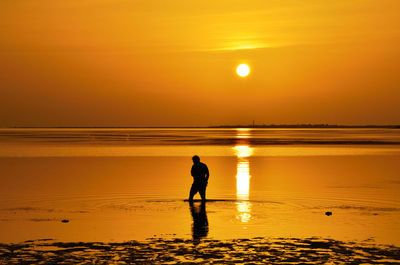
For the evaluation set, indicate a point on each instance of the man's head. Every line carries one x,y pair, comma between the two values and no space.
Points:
196,159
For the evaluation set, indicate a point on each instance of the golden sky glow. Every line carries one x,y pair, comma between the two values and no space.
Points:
167,63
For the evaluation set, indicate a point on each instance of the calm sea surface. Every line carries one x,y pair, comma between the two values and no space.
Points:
130,184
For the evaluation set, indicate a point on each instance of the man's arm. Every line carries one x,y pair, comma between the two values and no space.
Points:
191,171
207,172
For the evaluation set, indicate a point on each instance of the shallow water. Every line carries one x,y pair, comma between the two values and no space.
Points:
130,184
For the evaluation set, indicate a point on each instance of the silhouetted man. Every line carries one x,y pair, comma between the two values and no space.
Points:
200,178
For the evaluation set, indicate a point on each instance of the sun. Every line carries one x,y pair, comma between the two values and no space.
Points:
243,70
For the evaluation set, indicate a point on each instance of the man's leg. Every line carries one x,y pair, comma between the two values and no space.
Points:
202,191
193,191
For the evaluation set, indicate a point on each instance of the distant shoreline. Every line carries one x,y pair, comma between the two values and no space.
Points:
308,126
272,126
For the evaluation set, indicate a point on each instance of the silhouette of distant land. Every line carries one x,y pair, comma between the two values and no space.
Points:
307,126
317,126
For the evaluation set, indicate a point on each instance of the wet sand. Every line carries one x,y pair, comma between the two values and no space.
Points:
179,251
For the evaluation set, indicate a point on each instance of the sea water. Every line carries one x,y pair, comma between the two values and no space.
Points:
130,184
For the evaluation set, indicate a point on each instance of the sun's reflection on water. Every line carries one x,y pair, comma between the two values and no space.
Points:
242,133
243,153
242,180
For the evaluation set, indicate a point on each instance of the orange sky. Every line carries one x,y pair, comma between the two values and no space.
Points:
172,63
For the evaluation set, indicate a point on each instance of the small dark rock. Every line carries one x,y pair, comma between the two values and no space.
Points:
64,221
328,213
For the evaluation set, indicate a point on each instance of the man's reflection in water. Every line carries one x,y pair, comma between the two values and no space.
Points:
200,222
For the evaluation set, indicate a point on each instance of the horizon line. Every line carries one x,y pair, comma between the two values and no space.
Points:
300,125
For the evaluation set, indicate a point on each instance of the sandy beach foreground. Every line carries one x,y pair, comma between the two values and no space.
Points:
179,251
